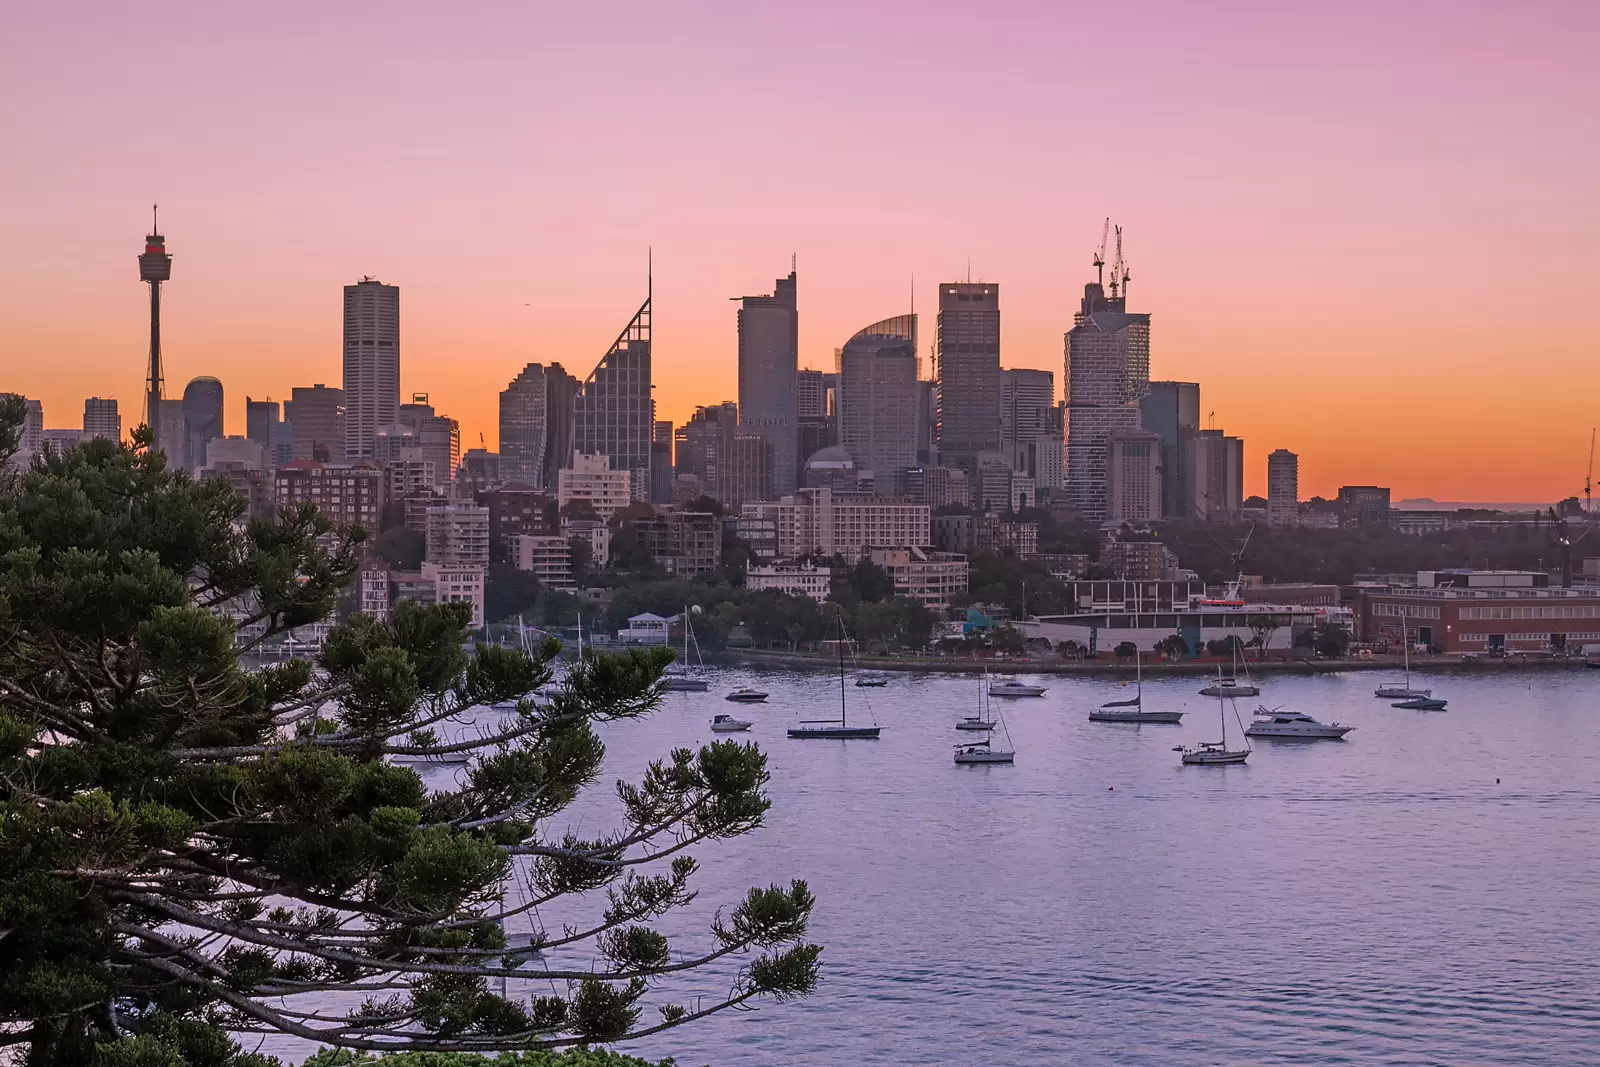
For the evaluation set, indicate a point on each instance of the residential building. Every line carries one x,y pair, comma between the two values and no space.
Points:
1363,505
258,487
60,442
686,543
1283,488
515,509
479,470
408,477
970,533
769,354
548,558
817,522
795,579
316,421
613,414
457,582
1216,463
371,363
100,418
931,578
1171,411
878,394
968,372
376,576
202,420
1136,561
348,493
592,478
1068,566
593,535
536,424
1107,375
458,534
1134,476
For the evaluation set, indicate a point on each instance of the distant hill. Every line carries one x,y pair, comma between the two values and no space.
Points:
1422,503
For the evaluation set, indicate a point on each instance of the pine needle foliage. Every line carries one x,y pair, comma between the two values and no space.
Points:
195,845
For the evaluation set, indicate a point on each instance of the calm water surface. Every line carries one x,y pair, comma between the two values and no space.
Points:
1377,900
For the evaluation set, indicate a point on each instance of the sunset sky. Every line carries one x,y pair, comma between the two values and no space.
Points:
1369,230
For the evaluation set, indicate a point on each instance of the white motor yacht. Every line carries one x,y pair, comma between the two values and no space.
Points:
746,695
727,724
1293,726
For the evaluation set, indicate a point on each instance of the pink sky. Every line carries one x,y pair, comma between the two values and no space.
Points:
1369,230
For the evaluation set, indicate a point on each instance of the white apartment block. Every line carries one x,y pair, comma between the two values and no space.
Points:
453,582
795,579
814,522
549,559
457,534
929,577
591,478
1283,488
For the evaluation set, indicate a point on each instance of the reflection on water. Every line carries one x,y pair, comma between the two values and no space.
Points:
1377,900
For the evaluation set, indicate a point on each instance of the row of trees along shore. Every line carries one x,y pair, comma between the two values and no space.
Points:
196,852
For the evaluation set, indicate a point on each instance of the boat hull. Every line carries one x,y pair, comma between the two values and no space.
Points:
975,726
685,685
1118,716
1231,691
871,683
1211,758
1314,733
827,732
1400,692
1019,691
729,728
1421,704
747,698
985,757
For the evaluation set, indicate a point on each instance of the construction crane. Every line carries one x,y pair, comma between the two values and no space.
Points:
1100,253
1588,480
1564,543
1116,267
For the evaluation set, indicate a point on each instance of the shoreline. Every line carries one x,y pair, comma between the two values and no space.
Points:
950,665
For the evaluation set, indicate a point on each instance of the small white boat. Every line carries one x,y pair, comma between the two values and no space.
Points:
1230,687
745,695
727,724
1014,688
982,752
975,722
1293,726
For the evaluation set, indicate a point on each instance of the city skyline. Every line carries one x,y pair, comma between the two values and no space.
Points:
1309,261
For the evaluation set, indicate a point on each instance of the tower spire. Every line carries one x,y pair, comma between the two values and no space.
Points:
155,267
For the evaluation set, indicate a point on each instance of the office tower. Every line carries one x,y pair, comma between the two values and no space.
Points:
613,414
1363,505
816,423
810,394
261,423
100,418
661,463
371,363
202,419
1171,410
1283,488
968,373
155,267
1216,463
769,355
536,424
1133,470
439,436
31,441
1107,374
1026,397
927,416
878,394
733,465
174,436
316,422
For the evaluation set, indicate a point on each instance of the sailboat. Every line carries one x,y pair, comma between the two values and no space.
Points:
526,644
1403,692
983,750
1208,753
980,722
677,677
1228,685
839,728
1133,710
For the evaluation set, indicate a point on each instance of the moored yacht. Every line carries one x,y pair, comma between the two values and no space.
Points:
727,724
1289,725
1133,711
1013,688
746,695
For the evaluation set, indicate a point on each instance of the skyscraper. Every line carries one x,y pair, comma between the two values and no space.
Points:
878,395
1134,476
613,414
810,394
536,425
316,423
261,422
1107,373
155,267
202,420
1216,462
1171,411
661,463
1026,397
439,436
1283,488
968,372
371,363
769,357
100,419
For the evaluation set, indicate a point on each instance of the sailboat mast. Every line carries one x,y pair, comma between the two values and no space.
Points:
841,670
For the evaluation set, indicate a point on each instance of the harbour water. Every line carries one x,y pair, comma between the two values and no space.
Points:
1425,892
